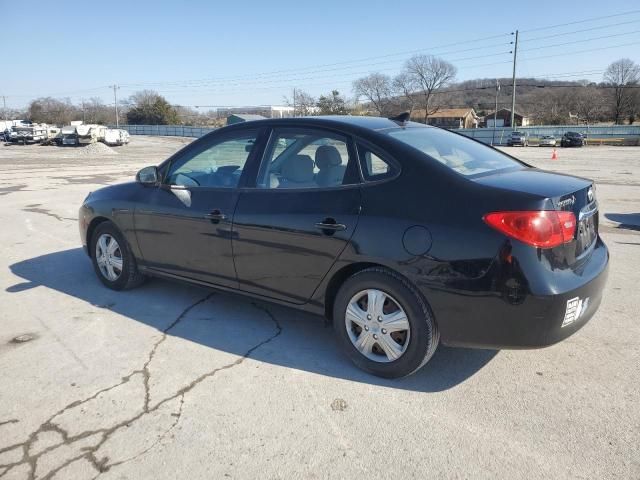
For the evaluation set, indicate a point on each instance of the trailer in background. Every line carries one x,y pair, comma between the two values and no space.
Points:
28,133
90,133
116,136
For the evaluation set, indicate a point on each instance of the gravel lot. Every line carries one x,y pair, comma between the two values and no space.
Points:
173,381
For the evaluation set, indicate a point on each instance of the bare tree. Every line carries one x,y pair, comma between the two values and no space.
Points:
623,75
303,103
587,103
431,74
52,111
405,86
95,111
377,89
634,106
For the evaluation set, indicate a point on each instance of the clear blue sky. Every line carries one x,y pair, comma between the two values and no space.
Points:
255,52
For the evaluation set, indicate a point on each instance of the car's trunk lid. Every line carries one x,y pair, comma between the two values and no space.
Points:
563,192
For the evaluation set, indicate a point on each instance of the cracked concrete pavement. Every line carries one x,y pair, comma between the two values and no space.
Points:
175,381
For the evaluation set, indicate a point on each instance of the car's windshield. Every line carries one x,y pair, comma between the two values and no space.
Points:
461,154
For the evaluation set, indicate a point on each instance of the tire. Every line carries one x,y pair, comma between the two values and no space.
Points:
417,344
126,275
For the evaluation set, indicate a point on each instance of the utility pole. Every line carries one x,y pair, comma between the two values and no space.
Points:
495,113
115,102
513,94
4,107
294,101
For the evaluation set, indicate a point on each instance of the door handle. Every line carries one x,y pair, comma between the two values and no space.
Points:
215,215
331,224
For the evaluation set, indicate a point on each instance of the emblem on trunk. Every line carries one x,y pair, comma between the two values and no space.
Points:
567,202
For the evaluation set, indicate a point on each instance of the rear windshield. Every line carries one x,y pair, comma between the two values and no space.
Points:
461,154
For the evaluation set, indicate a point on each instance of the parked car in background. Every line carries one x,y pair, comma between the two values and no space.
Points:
518,138
547,141
313,213
572,139
69,135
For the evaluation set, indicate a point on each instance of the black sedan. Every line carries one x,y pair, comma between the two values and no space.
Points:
572,139
401,235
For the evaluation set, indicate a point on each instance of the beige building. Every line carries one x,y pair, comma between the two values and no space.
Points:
449,118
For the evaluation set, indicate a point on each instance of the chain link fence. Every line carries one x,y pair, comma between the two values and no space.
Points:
610,135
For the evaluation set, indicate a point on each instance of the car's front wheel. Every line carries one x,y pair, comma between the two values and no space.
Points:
112,259
383,323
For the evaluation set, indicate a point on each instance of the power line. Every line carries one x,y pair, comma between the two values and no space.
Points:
582,40
363,59
253,80
586,20
545,37
582,51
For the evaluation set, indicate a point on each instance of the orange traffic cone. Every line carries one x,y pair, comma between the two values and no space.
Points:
554,155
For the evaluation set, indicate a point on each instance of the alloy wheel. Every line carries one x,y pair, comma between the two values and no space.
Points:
109,257
377,325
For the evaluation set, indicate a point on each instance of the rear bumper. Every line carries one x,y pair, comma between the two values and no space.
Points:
537,321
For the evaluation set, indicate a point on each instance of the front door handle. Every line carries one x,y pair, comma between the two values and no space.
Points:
331,225
215,215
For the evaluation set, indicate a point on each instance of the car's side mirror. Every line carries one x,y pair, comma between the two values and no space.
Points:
148,176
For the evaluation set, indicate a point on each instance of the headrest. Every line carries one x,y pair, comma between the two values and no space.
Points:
327,156
298,169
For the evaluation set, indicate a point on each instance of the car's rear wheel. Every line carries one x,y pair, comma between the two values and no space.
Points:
383,324
112,259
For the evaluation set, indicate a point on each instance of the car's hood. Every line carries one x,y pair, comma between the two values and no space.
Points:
120,191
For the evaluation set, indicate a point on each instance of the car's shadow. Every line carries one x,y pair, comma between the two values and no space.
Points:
307,345
626,221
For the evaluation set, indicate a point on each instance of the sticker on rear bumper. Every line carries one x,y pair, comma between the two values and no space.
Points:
575,309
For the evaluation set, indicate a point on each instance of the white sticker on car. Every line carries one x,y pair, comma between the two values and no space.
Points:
575,308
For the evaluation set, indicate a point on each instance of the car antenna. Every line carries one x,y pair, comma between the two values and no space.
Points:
401,119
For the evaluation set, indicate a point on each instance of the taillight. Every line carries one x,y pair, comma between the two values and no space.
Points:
543,229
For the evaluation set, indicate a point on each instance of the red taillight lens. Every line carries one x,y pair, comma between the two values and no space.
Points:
543,229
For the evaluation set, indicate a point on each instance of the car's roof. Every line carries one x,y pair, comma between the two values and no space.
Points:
369,123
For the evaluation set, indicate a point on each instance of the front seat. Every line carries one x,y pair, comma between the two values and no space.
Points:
297,172
329,163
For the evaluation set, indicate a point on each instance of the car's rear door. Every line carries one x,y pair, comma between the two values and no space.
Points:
291,226
183,226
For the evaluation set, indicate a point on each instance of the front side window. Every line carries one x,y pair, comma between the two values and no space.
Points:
306,158
460,154
219,165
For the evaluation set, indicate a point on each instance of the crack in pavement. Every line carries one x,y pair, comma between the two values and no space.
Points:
44,211
90,452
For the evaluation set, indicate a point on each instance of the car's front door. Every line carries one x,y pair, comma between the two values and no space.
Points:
292,226
183,227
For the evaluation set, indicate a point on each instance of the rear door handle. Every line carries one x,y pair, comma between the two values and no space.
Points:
330,224
215,215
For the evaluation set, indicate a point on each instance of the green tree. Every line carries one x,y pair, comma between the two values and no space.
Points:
332,104
151,108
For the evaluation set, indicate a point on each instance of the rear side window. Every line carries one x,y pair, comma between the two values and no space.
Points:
306,158
460,154
374,167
